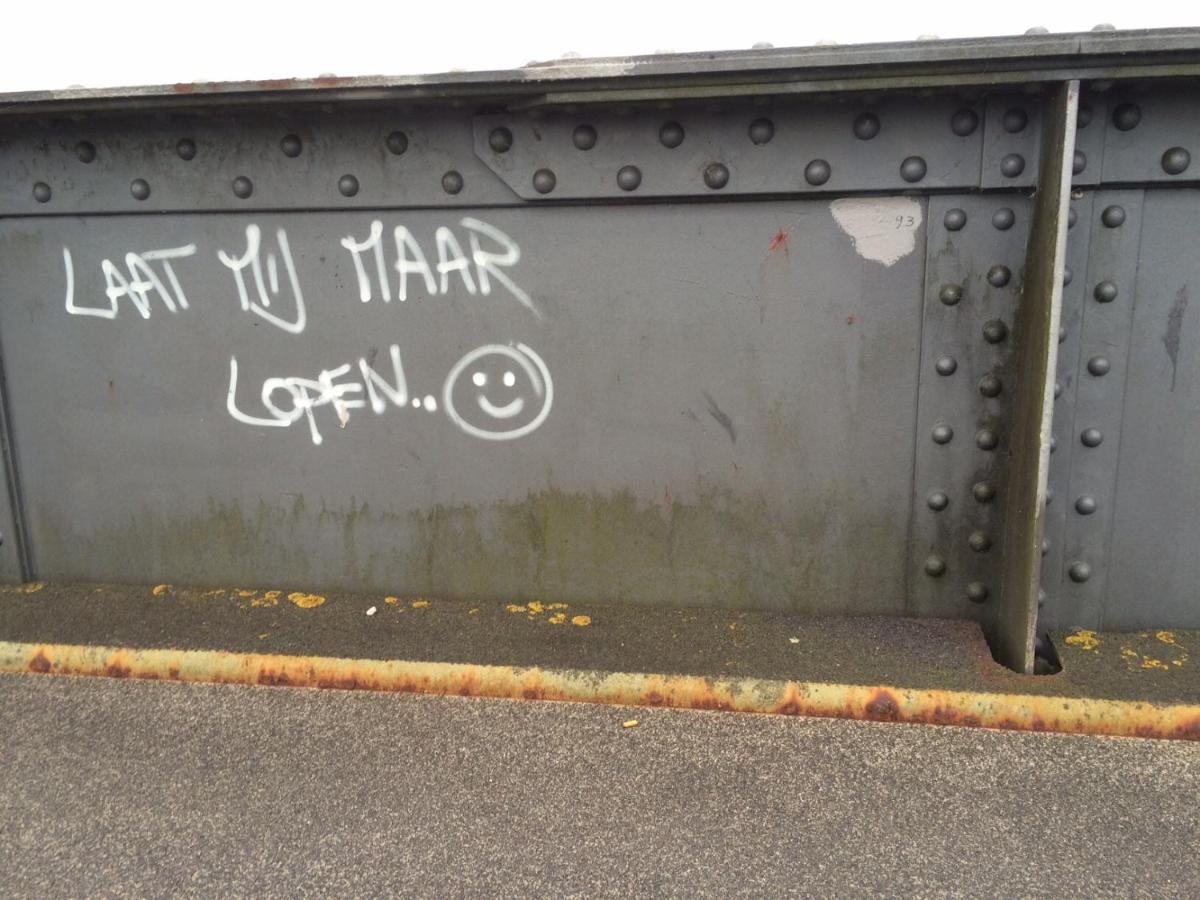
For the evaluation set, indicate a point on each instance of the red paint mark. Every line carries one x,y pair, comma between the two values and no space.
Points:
851,319
182,88
780,240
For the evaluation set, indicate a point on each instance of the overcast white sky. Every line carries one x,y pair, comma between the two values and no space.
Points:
127,42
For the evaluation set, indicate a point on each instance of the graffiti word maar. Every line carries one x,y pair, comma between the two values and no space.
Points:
497,392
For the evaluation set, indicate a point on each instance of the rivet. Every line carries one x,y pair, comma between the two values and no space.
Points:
452,182
942,433
994,331
500,139
1176,160
1053,443
1057,389
761,131
998,276
1049,495
979,542
1083,118
950,294
1105,292
291,145
1126,116
1062,333
1085,505
977,592
935,566
348,185
983,492
1098,365
544,181
1080,572
671,135
1091,437
913,169
397,142
1045,546
1079,162
584,137
986,439
954,219
1072,217
140,188
866,126
1003,218
990,386
937,501
1012,165
1014,120
817,172
1041,599
1104,26
186,149
964,122
716,176
41,192
243,187
629,178
1037,29
1068,275
86,151
1113,216
946,365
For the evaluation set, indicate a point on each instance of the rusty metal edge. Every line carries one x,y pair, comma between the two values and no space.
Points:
880,703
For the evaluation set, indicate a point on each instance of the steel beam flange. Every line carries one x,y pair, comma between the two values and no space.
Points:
854,145
973,277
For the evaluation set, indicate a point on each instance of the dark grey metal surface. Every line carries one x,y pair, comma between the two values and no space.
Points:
730,421
721,277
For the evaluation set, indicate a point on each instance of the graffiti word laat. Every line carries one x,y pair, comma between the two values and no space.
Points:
496,392
266,283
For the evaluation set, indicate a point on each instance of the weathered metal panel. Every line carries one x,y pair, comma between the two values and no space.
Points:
728,399
1154,563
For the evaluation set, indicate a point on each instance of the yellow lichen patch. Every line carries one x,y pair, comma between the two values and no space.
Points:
218,592
306,601
473,612
263,636
160,589
391,601
1166,637
557,606
1129,653
33,587
629,723
269,598
420,604
557,618
1149,663
581,621
514,608
1084,640
245,595
535,607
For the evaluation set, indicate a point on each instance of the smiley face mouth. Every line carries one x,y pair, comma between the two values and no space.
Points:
507,411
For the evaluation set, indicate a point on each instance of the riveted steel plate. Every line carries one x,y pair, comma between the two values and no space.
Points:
1011,141
714,408
853,144
1075,294
269,160
1153,135
972,281
1090,127
1154,562
1102,365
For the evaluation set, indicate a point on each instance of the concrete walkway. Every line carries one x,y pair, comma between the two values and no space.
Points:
119,787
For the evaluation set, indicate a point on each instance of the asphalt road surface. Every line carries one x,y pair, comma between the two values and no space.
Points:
138,788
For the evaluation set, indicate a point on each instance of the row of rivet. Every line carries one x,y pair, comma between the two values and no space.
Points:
242,187
990,386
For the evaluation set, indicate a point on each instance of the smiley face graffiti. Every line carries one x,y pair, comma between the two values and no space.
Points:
507,392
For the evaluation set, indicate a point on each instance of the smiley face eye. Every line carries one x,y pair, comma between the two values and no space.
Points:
480,379
509,379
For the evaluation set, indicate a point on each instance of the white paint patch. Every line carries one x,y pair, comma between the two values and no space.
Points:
883,229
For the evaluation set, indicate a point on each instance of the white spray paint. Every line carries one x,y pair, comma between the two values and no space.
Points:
883,229
252,260
491,426
141,283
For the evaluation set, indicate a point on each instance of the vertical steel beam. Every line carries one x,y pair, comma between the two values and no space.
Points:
1036,335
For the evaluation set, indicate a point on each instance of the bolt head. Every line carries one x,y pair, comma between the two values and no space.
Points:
935,566
977,592
584,137
716,176
954,219
913,169
629,178
500,140
866,126
544,181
